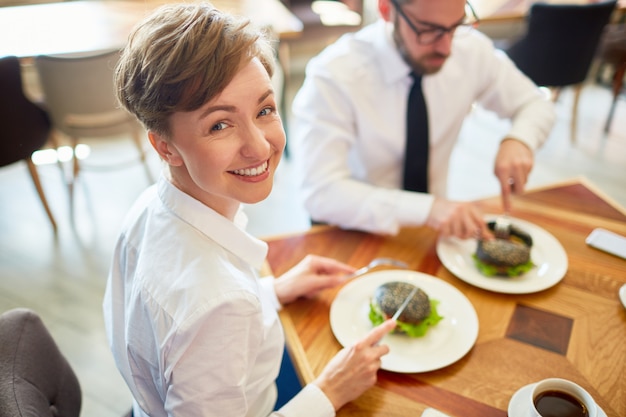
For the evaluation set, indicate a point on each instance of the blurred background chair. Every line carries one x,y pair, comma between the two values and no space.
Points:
36,380
24,126
35,377
560,44
612,56
79,94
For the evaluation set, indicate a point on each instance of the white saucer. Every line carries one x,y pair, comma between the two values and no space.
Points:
518,406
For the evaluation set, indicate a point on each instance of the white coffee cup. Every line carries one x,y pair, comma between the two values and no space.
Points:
564,386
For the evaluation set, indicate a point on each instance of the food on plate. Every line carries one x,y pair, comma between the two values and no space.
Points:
418,316
504,257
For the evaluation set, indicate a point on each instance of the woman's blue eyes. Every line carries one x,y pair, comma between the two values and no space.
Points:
223,125
219,126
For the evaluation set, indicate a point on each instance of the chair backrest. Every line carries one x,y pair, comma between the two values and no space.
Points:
560,42
24,126
35,378
80,96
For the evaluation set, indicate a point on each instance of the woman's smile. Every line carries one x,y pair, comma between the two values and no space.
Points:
252,172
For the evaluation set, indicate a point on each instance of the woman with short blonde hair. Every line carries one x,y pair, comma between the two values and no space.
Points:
193,328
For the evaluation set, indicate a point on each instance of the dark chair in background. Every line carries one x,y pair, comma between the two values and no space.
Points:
24,126
560,44
612,54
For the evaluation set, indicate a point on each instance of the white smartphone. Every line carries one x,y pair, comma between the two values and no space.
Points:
431,412
607,241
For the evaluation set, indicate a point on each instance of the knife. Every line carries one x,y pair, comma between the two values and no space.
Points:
404,304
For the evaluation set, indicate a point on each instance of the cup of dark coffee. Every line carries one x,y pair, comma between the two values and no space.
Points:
556,397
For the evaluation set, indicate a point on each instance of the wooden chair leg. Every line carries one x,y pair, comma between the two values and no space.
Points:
53,142
35,176
574,123
73,178
618,82
75,161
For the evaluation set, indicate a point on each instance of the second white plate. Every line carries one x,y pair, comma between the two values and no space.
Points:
547,254
442,345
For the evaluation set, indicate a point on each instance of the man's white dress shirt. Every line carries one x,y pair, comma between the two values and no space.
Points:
349,124
193,329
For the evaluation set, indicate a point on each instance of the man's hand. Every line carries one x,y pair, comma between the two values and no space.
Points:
514,162
460,219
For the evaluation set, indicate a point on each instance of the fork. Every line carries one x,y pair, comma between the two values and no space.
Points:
378,262
502,227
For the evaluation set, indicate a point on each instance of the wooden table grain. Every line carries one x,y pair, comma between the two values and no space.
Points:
574,330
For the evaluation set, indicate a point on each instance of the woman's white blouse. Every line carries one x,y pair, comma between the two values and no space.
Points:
193,330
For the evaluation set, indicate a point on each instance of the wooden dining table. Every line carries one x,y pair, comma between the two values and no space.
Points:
575,329
67,27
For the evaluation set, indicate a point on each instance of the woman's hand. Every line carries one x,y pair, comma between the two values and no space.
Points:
354,369
310,276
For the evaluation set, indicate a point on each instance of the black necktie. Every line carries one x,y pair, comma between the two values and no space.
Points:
416,155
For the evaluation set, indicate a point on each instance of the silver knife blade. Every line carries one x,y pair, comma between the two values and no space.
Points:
404,304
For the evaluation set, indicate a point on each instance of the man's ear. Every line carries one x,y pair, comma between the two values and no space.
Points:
166,150
384,8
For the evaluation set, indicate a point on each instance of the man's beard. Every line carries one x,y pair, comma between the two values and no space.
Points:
417,66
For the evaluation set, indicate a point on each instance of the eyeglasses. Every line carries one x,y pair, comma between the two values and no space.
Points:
436,32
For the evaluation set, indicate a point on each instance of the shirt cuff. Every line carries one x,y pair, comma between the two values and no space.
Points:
311,401
267,287
511,136
413,208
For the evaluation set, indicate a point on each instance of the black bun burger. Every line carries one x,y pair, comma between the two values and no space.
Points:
504,257
417,317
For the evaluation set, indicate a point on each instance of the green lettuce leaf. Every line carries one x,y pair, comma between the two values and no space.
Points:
491,270
412,330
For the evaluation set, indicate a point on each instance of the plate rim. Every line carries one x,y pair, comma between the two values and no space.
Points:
486,283
388,275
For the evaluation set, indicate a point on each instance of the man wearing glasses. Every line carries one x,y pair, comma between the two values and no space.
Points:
350,122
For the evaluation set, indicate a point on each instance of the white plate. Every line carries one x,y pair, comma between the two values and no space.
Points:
547,254
442,345
518,406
